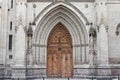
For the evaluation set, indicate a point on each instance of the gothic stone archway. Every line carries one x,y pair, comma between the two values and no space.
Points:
59,52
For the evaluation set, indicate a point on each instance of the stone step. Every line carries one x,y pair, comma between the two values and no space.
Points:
69,79
62,79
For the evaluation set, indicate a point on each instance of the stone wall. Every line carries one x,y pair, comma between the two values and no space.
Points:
113,20
77,15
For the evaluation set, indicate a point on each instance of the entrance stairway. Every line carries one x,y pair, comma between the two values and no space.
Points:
63,79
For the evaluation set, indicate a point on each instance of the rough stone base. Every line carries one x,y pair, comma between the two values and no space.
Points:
18,71
81,71
92,70
104,71
39,71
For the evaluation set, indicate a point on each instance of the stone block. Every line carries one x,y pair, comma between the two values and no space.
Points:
18,72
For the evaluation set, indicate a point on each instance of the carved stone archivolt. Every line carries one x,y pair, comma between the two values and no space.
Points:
66,15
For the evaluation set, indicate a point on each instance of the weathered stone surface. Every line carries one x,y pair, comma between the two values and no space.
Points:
18,72
78,16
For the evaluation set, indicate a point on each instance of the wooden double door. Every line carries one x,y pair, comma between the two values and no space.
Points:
59,53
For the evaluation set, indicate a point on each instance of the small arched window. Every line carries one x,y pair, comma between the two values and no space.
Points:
118,29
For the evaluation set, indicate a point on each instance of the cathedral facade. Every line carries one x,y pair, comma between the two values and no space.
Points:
59,38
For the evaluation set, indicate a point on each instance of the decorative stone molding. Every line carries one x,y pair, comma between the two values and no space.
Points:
105,26
68,5
102,22
19,22
114,60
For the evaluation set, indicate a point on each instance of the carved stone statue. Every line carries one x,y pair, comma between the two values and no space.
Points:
92,41
29,45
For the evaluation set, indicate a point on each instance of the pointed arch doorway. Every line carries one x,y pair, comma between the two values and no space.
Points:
59,52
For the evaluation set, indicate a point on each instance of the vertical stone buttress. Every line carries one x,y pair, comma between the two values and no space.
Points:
1,55
11,30
20,35
4,32
102,36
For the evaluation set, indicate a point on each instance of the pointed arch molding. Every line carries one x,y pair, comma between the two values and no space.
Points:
52,6
67,17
